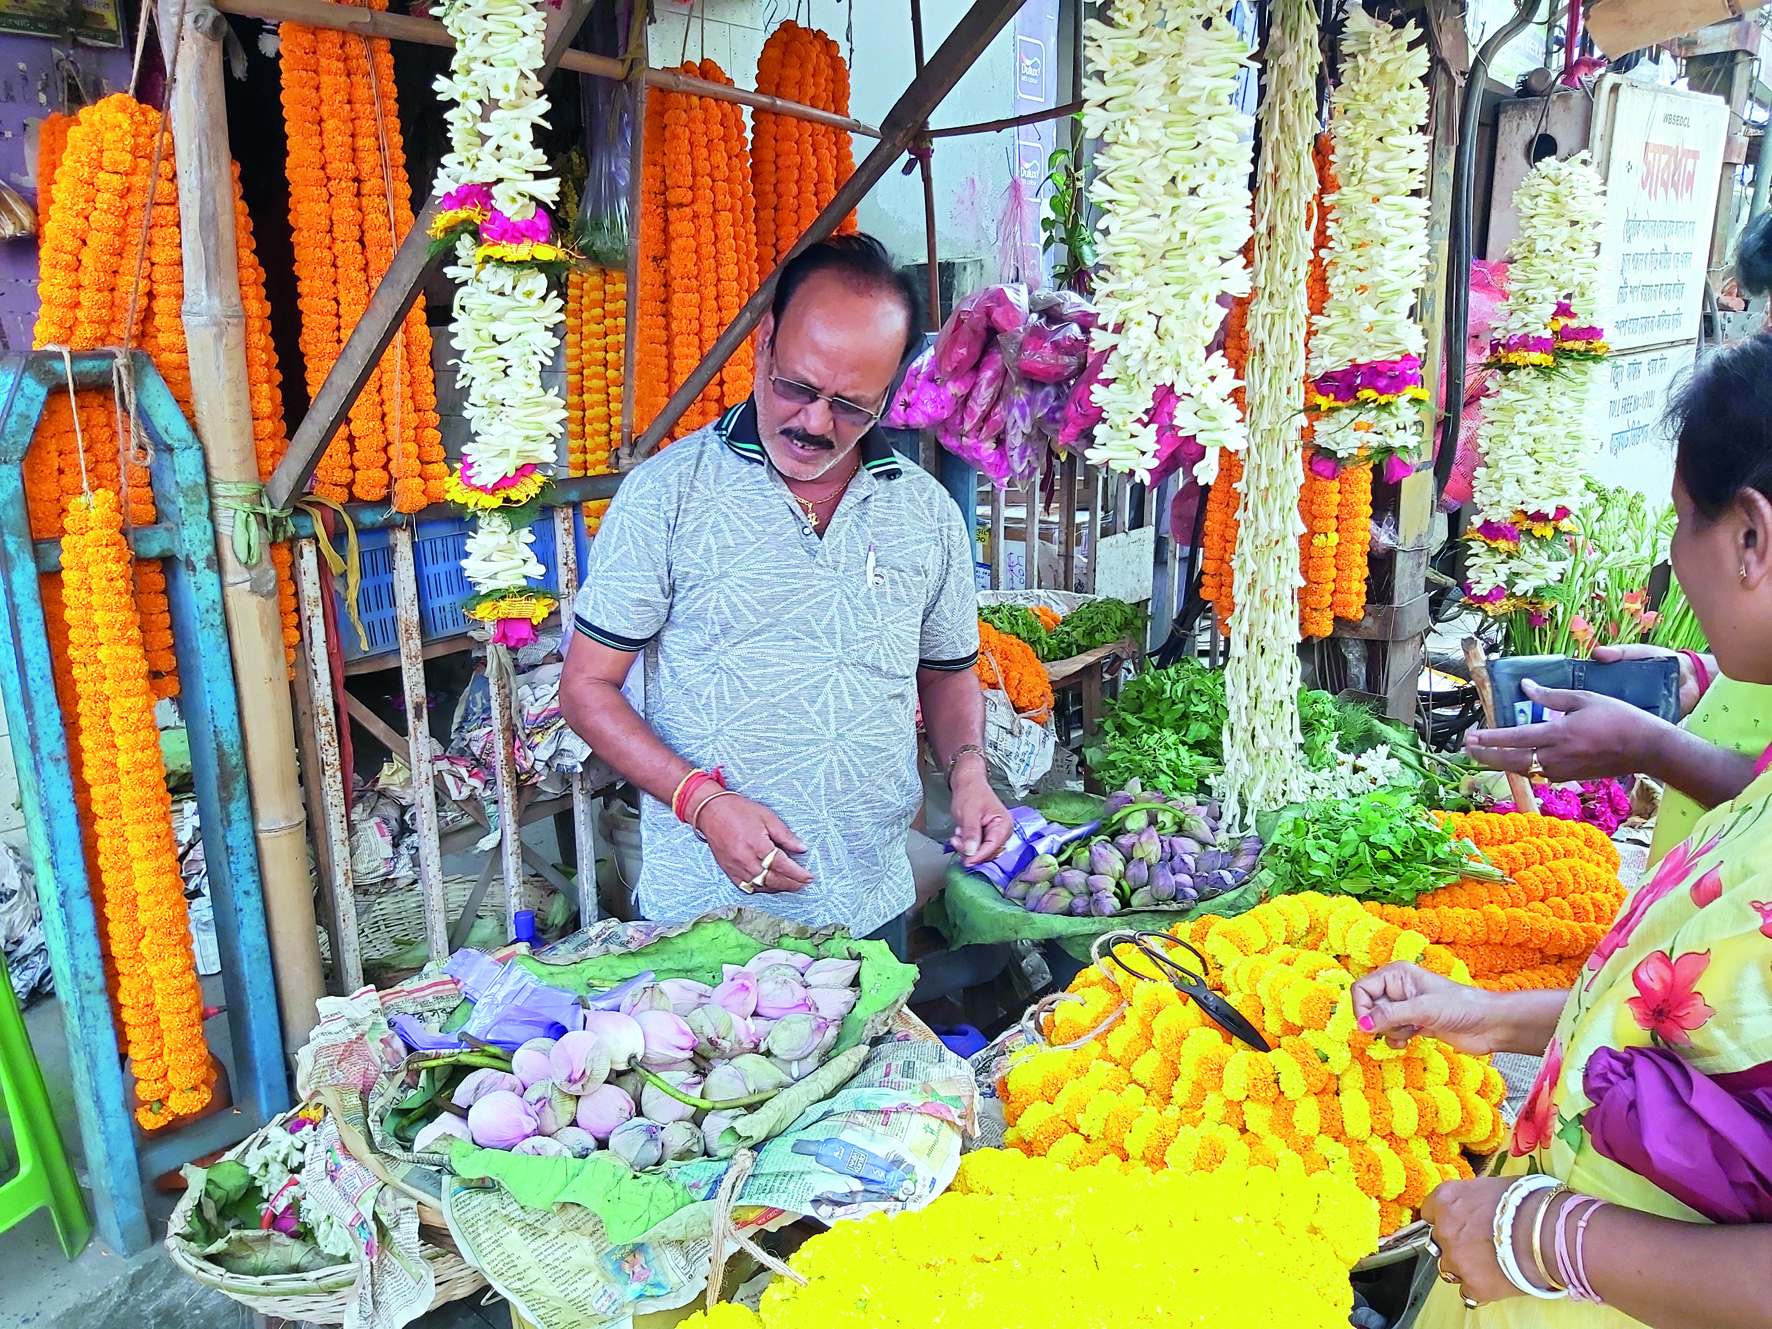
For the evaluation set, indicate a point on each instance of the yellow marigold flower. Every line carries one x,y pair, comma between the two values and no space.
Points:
1150,1000
1405,1117
1067,1149
1331,1048
1446,1108
724,1315
1073,1098
1172,1028
1128,1107
1127,1042
1356,1117
1156,1073
1184,1150
1494,1088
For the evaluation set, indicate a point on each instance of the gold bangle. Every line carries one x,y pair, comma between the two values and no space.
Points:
1550,1198
695,821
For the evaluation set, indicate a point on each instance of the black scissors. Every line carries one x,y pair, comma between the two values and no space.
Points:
1183,979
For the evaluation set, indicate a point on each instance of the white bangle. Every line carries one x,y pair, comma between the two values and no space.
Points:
1505,1214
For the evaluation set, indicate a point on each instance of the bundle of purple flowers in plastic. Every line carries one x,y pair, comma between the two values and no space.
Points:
1602,803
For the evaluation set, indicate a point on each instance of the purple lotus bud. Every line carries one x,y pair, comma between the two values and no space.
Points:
1138,873
1186,844
685,994
554,1107
637,1144
648,998
681,1141
287,1221
1115,803
1163,892
1224,880
479,1083
1071,880
745,1037
500,1119
1036,894
1162,879
795,1036
760,1074
835,973
1150,845
713,1030
529,1063
438,1133
763,959
667,1037
541,1146
1055,902
1042,868
579,1142
579,1061
832,1003
738,994
1017,890
1212,811
659,1106
713,1126
620,1035
1079,906
1126,842
1103,906
602,1110
1252,842
724,1082
1095,884
1142,899
1198,828
1106,861
777,997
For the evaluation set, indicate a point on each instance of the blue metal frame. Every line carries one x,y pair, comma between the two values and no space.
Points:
119,1159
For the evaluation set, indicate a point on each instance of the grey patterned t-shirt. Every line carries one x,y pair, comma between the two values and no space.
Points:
788,660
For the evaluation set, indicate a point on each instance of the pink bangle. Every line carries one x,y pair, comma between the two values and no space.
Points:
1571,1267
1699,672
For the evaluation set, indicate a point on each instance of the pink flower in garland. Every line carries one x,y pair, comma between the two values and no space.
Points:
499,229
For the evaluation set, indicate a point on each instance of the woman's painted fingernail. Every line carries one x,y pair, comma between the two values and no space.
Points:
1365,1022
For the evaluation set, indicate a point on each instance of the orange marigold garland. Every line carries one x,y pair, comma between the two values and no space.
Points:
52,141
799,165
652,367
1353,527
158,995
1218,538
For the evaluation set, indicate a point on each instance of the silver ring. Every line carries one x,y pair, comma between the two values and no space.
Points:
1433,1248
1469,1305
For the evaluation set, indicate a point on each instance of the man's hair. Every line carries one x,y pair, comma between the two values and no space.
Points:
863,263
1753,257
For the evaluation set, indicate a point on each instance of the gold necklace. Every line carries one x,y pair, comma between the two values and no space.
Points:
809,506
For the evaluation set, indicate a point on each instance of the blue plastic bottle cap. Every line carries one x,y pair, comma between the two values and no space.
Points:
525,925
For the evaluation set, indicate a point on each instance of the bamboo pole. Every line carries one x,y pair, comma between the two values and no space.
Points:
215,333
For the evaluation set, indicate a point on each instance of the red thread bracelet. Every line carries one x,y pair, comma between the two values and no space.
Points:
692,785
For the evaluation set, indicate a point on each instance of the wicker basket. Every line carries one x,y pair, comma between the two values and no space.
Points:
391,918
318,1296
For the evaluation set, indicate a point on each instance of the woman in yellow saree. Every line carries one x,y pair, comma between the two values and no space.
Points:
1638,1186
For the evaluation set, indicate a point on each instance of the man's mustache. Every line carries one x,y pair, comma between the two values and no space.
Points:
807,439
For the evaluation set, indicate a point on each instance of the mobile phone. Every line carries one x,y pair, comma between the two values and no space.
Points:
1650,685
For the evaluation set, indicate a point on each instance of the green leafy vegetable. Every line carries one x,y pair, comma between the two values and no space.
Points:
1017,621
1383,847
1096,623
1068,807
1160,758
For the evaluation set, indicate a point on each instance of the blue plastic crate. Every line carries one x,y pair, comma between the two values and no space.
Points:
438,549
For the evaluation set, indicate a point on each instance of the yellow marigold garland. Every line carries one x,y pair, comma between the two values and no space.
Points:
147,923
1318,502
1019,1240
1166,1088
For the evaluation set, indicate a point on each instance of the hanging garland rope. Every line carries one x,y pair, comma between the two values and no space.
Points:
1261,735
799,166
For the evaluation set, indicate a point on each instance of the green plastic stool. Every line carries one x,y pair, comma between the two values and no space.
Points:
44,1180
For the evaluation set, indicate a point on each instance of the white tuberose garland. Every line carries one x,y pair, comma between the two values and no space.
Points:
1261,736
1365,347
505,314
1172,182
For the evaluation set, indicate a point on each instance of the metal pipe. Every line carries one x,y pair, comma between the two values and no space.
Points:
1458,262
927,169
1013,122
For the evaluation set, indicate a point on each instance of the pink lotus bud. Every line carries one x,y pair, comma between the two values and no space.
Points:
499,1120
579,1062
832,1003
637,1143
479,1083
777,997
603,1109
794,1037
738,994
647,998
620,1035
760,1075
554,1105
681,1141
763,959
289,1220
713,1128
832,973
715,1029
579,1142
657,1105
724,1082
434,1138
667,1037
541,1146
529,1063
684,994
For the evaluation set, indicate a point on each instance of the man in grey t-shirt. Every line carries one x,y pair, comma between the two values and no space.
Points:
795,589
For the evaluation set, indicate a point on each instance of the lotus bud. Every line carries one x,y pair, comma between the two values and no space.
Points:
1150,845
1138,873
826,1041
1017,890
763,959
1072,880
777,997
1036,894
541,1146
796,1070
1137,821
685,994
554,1106
1195,827
1162,879
1126,844
794,1037
1055,902
579,1061
479,1083
620,1035
760,1074
1116,803
1163,892
1106,861
1143,899
835,973
579,1142
500,1119
529,1063
1186,844
667,1037
1079,906
681,1141
1042,868
657,1105
738,994
832,1003
630,1083
1212,810
779,973
637,1144
1103,906
438,1133
713,1030
713,1126
648,998
602,1110
724,1082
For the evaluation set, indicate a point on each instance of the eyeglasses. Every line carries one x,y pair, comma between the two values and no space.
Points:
842,409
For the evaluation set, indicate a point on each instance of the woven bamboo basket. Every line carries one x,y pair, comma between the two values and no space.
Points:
318,1296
